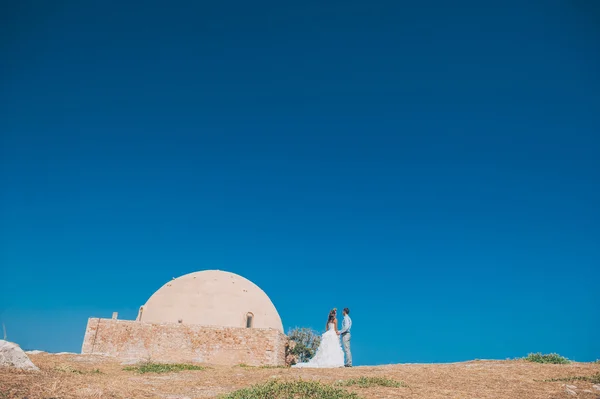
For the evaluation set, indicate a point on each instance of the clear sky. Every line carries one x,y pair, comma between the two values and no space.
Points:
432,165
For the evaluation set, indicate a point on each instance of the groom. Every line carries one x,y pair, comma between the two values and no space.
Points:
345,334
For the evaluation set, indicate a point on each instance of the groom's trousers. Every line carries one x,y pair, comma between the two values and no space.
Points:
346,345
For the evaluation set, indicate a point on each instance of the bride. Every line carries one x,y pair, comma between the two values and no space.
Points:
329,353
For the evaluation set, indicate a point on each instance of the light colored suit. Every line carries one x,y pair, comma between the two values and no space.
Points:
345,334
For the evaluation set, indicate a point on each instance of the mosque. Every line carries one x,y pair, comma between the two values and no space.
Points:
211,316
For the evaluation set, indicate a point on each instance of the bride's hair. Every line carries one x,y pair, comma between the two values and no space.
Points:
331,316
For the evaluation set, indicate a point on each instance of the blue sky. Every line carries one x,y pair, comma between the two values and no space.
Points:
432,166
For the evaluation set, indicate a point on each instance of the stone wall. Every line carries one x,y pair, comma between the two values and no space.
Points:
184,343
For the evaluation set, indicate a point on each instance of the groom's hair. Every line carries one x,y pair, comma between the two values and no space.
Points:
346,310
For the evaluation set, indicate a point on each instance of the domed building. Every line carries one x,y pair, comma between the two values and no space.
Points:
208,316
211,298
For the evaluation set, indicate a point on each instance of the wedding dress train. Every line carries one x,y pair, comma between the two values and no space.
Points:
329,354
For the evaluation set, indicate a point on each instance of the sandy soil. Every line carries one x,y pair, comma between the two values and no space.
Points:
75,376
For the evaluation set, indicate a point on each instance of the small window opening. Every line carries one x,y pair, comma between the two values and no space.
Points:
249,319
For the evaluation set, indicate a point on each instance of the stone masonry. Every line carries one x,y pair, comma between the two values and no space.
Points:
184,343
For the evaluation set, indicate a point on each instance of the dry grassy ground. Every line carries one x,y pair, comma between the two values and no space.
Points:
77,376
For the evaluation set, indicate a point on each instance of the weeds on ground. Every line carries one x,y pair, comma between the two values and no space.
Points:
552,358
246,366
66,368
291,389
366,382
594,379
162,367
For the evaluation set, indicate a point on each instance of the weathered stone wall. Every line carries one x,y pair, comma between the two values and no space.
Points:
170,342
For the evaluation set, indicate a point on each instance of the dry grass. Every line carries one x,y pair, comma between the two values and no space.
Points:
77,376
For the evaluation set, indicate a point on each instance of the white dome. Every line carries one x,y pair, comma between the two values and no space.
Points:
211,298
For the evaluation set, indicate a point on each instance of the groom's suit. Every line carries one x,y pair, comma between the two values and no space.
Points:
345,334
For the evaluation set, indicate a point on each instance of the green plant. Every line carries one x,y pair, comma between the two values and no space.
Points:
305,343
66,368
552,358
594,379
291,389
266,366
162,367
366,382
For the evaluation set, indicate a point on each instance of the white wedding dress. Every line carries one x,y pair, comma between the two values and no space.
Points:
329,354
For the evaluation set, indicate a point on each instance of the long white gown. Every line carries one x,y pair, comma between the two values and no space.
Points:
329,354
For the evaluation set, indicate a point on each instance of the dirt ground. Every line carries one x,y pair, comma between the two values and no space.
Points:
84,376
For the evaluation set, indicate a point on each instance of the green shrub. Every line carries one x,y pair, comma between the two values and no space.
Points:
162,368
291,390
552,358
366,382
594,379
306,342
